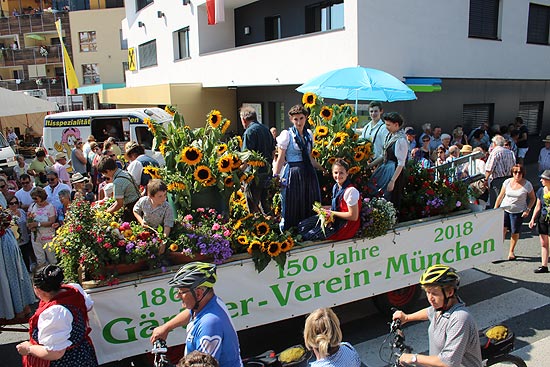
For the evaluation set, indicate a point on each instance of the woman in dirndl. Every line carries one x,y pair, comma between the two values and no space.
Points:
59,330
389,178
296,167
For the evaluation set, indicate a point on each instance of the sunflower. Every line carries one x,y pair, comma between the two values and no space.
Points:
273,248
228,181
240,140
315,153
173,247
355,137
235,162
238,224
214,118
321,130
224,163
309,99
353,170
287,244
238,196
359,156
317,139
242,239
339,138
331,160
191,155
254,246
209,182
176,186
202,174
256,163
311,121
147,121
225,126
348,125
152,171
162,148
170,110
326,113
262,229
249,178
222,148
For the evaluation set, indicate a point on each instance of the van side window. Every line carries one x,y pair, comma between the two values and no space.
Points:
104,128
144,137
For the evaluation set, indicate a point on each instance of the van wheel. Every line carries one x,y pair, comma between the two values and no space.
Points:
402,299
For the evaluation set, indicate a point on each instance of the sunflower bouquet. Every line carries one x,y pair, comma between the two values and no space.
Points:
546,198
200,159
257,234
334,135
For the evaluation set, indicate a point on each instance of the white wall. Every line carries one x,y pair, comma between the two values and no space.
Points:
430,38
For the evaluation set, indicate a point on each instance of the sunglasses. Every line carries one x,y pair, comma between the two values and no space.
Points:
514,172
52,179
14,202
3,186
112,155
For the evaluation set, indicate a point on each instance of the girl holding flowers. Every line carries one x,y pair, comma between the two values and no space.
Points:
300,184
343,216
541,215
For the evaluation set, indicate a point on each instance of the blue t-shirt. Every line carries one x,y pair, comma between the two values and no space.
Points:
211,331
346,356
543,208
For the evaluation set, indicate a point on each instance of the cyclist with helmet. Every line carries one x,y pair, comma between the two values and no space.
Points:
453,334
209,326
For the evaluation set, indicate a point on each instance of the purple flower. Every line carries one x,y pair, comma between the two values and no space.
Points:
458,204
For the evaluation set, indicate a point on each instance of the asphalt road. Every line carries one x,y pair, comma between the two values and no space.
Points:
504,292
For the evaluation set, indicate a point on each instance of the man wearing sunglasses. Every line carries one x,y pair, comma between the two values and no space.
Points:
8,194
53,189
24,193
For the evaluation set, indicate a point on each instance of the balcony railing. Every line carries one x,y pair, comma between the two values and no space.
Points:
31,56
53,86
25,23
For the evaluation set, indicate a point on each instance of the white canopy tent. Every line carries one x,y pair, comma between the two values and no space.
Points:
24,111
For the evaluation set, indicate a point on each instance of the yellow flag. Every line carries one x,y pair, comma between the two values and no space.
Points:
72,80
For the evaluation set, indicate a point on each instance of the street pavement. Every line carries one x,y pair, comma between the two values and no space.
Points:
503,292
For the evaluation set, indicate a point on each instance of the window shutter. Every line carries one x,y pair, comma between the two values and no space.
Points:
483,21
531,113
537,29
148,54
475,115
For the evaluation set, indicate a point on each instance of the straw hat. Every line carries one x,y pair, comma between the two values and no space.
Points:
547,139
60,155
78,177
546,174
467,149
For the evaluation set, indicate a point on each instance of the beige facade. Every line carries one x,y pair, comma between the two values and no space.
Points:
108,55
192,100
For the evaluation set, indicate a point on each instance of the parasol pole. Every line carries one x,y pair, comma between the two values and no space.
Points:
64,69
356,98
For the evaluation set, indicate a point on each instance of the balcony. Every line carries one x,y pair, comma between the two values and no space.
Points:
26,23
53,86
31,56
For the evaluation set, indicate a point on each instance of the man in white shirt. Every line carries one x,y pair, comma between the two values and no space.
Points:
86,149
24,193
53,188
375,130
60,167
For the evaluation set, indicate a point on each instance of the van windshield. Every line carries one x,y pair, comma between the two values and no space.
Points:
3,141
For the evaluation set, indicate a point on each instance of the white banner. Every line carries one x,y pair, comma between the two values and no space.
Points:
327,274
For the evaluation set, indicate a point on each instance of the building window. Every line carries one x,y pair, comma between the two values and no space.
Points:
531,113
114,4
273,28
475,115
484,19
123,41
88,41
181,39
539,24
147,54
90,73
124,69
325,16
140,4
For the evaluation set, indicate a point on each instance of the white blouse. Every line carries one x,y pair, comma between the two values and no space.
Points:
284,139
55,324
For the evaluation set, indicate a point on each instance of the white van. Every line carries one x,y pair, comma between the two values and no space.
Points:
7,156
62,130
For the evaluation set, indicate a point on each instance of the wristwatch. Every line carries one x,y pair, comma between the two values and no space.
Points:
413,358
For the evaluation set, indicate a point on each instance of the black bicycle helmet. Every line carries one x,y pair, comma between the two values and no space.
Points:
440,275
195,274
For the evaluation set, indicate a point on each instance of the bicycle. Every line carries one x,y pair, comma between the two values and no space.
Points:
498,355
159,350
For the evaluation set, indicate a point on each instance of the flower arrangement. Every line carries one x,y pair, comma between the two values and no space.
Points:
203,231
94,239
257,235
334,137
6,220
424,196
325,217
546,198
378,216
199,159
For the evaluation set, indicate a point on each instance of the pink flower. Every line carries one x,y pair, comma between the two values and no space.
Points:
200,210
188,218
99,239
215,227
124,226
107,245
227,233
121,243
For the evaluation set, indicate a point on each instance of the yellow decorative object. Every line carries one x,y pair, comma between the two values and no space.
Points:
291,354
498,332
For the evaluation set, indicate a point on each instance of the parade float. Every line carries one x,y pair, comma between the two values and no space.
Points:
264,275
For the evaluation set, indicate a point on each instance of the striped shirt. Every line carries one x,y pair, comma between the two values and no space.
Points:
500,162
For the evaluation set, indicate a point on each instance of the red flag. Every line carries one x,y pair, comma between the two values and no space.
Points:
215,11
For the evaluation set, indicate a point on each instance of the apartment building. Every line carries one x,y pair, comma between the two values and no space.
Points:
487,59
